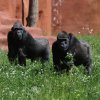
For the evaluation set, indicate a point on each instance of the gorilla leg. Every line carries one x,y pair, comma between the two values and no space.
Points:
21,57
88,67
12,54
88,64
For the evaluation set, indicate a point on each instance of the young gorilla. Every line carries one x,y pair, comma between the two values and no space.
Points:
22,45
68,43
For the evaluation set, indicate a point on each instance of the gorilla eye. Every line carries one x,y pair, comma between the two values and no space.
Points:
17,29
65,39
62,39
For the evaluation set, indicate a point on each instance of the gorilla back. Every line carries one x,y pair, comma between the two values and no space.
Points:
22,45
37,47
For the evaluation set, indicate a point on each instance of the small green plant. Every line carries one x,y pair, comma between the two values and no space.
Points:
69,59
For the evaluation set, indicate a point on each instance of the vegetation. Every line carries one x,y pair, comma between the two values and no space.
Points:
38,81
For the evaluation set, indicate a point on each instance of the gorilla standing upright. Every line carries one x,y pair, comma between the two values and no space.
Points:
68,43
22,45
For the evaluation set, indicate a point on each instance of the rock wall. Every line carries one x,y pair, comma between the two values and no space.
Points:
75,16
54,15
11,10
78,16
44,20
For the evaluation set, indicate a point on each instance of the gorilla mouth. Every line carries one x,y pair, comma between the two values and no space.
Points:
19,36
64,49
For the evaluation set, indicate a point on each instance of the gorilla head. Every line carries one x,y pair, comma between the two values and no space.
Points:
18,31
63,41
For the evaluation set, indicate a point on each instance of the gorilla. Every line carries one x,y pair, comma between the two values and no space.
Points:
22,45
65,44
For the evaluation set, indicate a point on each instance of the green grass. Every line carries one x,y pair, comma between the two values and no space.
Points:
38,81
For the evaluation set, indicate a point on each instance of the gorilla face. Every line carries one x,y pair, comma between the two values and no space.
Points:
63,43
18,33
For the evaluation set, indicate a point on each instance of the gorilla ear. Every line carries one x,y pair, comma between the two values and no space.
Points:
70,35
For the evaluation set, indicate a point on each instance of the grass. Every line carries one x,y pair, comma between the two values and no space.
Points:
38,81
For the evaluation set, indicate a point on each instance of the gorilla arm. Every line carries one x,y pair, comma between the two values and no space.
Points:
12,52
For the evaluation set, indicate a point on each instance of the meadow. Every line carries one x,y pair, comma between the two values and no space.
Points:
39,81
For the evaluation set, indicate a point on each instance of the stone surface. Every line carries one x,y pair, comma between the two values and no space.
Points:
77,16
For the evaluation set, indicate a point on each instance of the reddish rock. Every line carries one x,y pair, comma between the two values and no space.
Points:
75,16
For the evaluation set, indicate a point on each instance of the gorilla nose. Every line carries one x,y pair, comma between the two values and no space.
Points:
19,35
63,45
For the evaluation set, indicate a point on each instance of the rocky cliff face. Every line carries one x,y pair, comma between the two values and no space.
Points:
10,10
70,15
76,16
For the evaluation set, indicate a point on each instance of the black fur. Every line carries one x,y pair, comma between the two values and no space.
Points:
68,43
22,45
